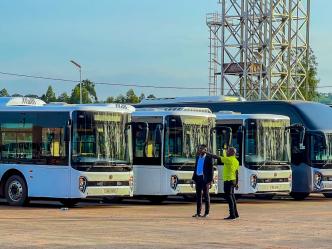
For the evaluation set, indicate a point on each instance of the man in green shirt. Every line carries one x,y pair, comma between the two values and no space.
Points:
231,180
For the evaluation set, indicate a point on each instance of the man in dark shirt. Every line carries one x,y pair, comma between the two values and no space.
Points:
203,177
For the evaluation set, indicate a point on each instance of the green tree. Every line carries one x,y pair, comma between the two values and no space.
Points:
131,97
88,93
49,96
63,97
110,99
141,97
17,95
4,93
32,96
313,80
120,99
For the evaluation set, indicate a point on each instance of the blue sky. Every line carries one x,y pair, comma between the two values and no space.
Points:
125,41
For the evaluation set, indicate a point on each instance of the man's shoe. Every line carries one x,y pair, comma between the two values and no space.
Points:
206,216
230,218
196,216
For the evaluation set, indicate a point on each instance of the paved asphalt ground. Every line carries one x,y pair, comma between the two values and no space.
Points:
280,223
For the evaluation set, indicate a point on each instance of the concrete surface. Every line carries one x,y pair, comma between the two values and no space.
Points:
280,223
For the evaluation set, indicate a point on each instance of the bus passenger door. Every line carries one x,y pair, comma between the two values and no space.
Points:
147,158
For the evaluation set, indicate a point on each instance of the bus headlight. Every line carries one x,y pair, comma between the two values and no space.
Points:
131,181
82,183
174,182
290,178
253,181
318,177
215,179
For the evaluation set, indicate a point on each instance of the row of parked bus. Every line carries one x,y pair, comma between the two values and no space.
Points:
71,152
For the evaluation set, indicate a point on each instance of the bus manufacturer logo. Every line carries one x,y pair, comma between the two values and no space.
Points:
275,174
28,101
121,106
110,177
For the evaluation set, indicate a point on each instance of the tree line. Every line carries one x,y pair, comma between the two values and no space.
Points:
89,95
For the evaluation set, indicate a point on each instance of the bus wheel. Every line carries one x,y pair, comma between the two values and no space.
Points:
158,199
16,191
69,202
299,196
265,196
328,195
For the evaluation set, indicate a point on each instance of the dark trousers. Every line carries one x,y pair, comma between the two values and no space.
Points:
202,189
230,198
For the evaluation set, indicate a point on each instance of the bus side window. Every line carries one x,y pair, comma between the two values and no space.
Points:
16,137
33,138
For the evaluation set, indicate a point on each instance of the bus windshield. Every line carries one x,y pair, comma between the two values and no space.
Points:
182,137
321,150
267,142
99,139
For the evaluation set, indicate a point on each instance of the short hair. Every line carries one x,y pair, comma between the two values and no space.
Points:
232,150
203,145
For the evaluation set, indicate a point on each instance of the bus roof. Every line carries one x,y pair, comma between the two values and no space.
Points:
37,105
165,111
239,116
191,99
313,115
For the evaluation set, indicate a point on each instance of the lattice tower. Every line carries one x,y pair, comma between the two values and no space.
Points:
259,49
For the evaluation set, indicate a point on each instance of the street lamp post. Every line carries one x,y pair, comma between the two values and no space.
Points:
79,67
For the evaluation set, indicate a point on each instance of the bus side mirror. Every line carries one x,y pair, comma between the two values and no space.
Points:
299,130
226,135
239,135
159,129
127,127
67,131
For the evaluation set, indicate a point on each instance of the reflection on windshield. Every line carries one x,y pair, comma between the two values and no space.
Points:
321,149
267,142
100,138
183,135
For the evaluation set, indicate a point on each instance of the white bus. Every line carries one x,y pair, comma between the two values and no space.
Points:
263,146
66,152
311,135
165,142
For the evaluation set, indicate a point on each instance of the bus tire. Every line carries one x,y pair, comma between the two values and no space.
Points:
16,191
328,195
299,196
69,202
157,199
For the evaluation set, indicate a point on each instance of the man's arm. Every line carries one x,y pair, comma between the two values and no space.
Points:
212,155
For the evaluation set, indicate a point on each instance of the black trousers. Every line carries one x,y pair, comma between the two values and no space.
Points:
202,189
230,198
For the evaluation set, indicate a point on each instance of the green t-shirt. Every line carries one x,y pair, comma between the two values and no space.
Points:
231,165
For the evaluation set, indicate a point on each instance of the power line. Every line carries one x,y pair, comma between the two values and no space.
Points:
122,84
104,83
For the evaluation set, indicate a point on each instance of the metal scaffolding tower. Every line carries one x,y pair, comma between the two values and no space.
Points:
259,49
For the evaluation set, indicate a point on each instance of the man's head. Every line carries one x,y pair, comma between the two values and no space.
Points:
202,149
231,151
